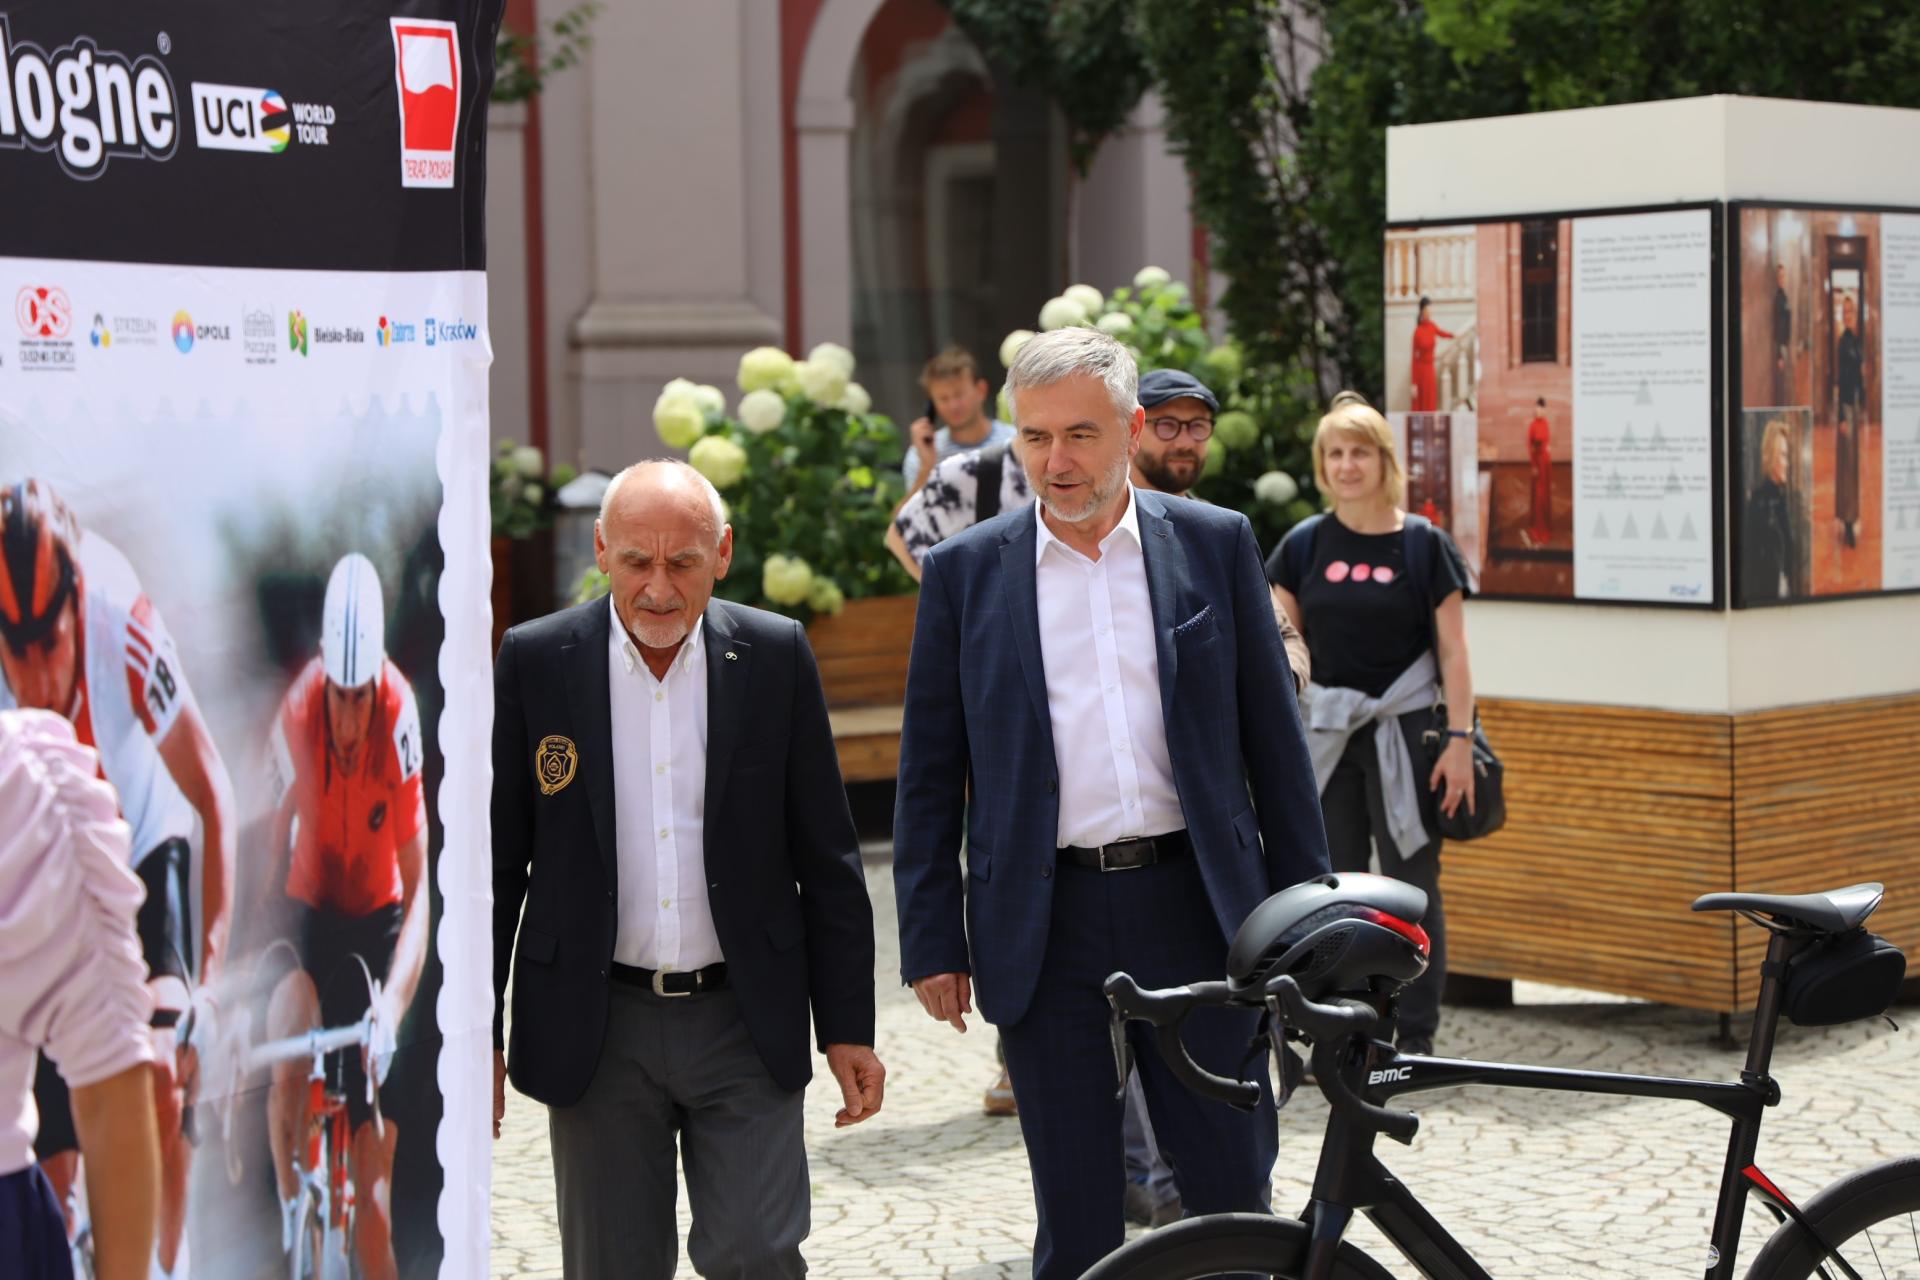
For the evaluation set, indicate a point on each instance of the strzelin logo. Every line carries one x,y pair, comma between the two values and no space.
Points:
85,104
183,331
101,336
297,331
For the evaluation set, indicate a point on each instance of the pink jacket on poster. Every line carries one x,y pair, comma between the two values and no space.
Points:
71,977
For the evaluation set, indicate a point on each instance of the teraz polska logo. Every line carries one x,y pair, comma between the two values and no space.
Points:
84,103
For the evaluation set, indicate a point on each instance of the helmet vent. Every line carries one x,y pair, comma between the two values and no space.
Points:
1325,952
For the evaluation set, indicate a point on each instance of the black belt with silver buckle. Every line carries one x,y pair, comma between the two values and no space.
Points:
673,982
1129,855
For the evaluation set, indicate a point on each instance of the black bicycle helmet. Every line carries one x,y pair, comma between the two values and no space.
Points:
1345,934
37,572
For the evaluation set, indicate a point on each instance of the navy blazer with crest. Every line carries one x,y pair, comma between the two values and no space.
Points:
977,709
788,893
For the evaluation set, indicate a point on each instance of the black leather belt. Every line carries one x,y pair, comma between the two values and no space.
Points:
673,982
1128,855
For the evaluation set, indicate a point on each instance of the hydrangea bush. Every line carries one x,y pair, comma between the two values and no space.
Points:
1260,461
521,489
809,473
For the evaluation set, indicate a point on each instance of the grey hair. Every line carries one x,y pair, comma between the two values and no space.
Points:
1058,354
717,505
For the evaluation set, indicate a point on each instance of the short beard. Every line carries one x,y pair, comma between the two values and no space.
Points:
1102,494
1159,472
661,634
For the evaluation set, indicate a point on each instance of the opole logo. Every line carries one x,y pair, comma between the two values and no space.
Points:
231,117
85,104
182,332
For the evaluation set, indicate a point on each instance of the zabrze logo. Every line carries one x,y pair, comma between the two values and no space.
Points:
43,311
183,331
85,104
231,117
426,71
297,331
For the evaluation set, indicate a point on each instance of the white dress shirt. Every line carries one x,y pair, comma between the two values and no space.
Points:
659,805
1103,688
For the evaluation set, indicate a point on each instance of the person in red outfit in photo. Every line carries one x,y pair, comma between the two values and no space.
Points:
1539,530
1426,385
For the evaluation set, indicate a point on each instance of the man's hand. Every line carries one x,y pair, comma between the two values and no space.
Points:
945,996
499,1090
863,1081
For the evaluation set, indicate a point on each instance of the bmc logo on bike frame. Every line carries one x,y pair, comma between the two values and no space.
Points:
1389,1075
85,104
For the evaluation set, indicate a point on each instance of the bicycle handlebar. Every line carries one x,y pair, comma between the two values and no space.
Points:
1331,1025
1167,1010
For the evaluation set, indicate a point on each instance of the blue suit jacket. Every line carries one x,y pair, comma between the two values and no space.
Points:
977,708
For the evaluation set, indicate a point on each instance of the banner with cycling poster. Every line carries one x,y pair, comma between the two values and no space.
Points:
243,450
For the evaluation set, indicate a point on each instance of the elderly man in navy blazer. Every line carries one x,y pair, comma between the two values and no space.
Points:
1103,669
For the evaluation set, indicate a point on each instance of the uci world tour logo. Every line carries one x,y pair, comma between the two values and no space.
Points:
231,117
182,332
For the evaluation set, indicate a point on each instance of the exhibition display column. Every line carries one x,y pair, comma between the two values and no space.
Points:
1657,369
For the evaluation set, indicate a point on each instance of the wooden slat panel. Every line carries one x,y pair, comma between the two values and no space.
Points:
1616,819
862,652
1826,796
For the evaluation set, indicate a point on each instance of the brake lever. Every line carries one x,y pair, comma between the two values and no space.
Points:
1122,1051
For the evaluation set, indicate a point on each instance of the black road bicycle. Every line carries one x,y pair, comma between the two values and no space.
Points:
1326,959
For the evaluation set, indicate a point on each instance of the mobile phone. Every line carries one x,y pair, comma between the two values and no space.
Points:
932,416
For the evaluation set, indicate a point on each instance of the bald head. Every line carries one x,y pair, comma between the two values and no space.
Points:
662,540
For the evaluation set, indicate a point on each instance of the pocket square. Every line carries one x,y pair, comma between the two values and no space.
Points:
1198,620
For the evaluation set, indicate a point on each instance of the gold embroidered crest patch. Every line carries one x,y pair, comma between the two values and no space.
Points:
554,763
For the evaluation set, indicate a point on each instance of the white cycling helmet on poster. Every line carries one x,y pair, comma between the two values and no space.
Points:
353,626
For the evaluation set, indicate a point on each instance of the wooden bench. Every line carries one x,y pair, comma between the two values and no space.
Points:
862,654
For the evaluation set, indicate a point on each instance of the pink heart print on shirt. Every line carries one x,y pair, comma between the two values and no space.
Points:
1337,571
1340,571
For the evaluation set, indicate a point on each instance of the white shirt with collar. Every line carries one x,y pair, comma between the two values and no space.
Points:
1103,688
659,804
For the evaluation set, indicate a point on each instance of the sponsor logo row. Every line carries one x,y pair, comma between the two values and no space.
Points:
89,106
52,332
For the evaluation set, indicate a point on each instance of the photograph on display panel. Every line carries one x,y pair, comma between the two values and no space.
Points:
1500,335
252,643
1829,345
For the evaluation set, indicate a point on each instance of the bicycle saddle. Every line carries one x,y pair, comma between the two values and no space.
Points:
1343,934
1834,911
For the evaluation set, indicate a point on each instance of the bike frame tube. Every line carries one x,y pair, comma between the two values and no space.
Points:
1351,1177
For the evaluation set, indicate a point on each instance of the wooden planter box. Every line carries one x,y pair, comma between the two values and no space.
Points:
862,654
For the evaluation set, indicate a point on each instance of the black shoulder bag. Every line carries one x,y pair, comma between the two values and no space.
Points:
987,471
1426,731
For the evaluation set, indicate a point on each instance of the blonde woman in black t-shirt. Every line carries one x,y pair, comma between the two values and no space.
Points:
1380,596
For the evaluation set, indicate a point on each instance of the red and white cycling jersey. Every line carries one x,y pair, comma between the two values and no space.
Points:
348,828
130,692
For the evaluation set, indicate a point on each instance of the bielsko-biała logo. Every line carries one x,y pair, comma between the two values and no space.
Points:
84,103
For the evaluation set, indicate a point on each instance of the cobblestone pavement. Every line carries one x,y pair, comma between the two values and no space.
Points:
1537,1185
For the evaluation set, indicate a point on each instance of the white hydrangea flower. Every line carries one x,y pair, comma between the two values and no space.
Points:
1062,313
528,461
834,354
764,368
534,494
1011,344
1150,277
786,579
762,411
821,382
856,400
710,398
1089,298
678,417
826,597
719,460
1276,487
1116,323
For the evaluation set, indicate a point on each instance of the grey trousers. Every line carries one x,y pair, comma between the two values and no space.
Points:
680,1068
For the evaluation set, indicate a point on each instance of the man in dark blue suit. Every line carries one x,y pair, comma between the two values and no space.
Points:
1103,670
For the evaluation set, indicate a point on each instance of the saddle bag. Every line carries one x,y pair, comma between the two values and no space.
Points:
1842,978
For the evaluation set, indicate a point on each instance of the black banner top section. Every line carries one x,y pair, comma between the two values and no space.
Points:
313,134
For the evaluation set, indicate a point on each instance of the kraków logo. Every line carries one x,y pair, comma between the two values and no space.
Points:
439,331
85,104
